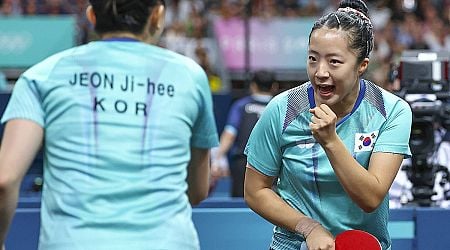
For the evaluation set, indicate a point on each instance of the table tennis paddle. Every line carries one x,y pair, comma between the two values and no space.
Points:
356,240
353,240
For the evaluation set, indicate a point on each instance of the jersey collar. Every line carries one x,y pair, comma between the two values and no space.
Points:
120,39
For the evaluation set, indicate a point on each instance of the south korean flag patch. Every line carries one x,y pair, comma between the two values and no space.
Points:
365,141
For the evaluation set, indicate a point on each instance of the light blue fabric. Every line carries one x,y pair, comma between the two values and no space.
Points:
119,119
281,145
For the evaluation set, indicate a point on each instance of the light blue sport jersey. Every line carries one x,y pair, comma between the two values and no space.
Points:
119,118
281,145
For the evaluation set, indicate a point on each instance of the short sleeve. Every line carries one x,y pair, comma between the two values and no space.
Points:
204,134
25,102
394,138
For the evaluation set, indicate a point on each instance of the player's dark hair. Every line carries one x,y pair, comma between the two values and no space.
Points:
122,15
264,79
353,17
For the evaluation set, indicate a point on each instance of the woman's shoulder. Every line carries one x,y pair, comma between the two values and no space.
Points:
293,101
295,92
296,96
384,99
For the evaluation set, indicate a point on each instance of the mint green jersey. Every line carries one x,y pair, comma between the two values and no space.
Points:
120,117
281,144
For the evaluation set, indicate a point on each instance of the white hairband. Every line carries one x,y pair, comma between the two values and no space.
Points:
357,12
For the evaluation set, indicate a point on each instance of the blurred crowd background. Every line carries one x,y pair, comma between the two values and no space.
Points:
399,25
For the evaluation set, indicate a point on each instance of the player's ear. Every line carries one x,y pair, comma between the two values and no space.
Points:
157,20
90,15
363,66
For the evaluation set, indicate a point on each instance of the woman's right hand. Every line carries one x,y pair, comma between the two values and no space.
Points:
320,239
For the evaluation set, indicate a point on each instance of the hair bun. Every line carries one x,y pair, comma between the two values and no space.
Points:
358,5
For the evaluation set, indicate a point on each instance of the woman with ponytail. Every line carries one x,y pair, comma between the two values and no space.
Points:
332,145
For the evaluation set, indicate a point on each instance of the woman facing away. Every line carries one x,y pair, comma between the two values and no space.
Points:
332,145
127,128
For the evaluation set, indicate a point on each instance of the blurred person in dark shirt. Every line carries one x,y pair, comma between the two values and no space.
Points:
243,115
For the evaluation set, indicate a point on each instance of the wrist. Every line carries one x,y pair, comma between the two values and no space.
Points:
305,226
333,143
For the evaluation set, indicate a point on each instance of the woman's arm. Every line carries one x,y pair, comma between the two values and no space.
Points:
198,175
227,139
21,141
264,201
366,187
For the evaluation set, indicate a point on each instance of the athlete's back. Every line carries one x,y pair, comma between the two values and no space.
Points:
120,119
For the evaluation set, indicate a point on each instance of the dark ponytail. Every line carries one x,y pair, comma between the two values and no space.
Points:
353,17
122,15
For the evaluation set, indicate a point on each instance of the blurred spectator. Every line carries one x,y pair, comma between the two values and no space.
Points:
265,8
414,29
196,23
331,6
380,14
446,12
179,10
243,115
175,37
437,36
9,8
30,7
56,7
232,8
290,8
203,60
310,8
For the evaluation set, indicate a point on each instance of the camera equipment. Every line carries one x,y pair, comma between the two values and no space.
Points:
425,85
424,72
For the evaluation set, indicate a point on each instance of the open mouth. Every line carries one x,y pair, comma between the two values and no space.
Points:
326,89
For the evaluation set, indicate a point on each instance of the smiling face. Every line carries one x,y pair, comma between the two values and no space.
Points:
333,70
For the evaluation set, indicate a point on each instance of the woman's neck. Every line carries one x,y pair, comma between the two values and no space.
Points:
122,35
